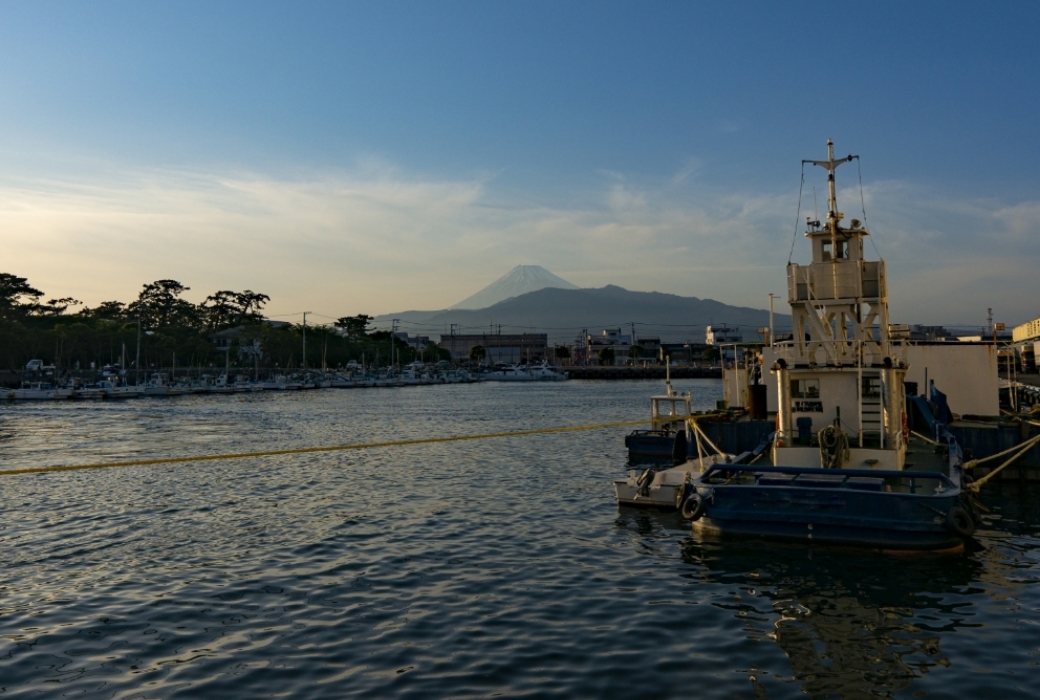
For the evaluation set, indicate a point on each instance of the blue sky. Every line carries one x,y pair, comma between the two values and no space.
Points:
373,157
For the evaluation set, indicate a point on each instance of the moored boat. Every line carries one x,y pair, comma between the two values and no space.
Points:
40,391
840,468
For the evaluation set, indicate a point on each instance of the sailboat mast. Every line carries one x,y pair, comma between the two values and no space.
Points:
305,339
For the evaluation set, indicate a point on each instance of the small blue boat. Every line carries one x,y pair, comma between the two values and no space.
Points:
841,467
891,510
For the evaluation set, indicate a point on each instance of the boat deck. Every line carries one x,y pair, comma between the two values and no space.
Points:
926,471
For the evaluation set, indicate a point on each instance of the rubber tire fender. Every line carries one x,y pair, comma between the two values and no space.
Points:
960,522
693,507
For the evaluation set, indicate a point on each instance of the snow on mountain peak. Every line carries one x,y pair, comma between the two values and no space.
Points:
520,280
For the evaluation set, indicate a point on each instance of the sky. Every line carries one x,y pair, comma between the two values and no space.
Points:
372,157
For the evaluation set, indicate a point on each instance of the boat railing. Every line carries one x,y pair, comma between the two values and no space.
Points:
831,280
817,477
849,353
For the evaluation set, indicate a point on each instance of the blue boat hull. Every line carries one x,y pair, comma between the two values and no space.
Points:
837,507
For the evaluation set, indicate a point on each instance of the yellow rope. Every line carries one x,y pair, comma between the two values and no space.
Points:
1024,448
305,450
924,437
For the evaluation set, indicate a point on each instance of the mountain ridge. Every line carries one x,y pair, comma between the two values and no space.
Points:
564,313
518,281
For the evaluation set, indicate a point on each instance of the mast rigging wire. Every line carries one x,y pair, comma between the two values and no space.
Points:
863,205
797,216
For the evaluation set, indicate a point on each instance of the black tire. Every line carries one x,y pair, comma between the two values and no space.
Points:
960,522
693,507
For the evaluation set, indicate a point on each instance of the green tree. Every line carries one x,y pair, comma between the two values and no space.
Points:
635,352
477,353
107,310
354,327
228,309
17,297
606,356
562,352
160,306
56,307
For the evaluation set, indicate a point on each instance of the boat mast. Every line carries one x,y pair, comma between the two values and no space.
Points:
833,215
137,362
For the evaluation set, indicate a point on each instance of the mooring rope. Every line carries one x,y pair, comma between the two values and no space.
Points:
1022,449
306,450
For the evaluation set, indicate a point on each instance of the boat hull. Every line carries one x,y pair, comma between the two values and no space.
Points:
890,538
889,511
665,485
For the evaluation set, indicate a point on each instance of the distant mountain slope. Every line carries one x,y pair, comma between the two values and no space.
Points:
520,280
563,313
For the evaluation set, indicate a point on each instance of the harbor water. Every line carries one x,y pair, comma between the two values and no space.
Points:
498,567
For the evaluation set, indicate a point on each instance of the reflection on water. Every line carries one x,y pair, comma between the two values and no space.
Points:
456,570
858,625
851,625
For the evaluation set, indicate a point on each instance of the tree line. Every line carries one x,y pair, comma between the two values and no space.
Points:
170,329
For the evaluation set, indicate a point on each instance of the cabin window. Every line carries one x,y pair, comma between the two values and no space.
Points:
841,246
871,387
805,388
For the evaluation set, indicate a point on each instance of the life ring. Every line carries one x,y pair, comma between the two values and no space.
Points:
693,507
644,481
680,496
959,522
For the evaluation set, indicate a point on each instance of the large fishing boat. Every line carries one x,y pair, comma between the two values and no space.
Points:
841,467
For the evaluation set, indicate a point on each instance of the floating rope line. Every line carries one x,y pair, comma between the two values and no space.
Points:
306,450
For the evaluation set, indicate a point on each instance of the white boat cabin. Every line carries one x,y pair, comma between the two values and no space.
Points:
840,397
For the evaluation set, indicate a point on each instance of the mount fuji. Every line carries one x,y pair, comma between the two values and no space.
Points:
520,280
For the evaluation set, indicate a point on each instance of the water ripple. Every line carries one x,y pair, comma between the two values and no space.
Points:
454,570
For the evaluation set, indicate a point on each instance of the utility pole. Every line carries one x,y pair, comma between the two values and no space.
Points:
771,295
305,339
393,332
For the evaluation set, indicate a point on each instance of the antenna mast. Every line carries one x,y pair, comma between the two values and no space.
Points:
833,215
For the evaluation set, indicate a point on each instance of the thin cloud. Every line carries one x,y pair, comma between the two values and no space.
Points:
375,240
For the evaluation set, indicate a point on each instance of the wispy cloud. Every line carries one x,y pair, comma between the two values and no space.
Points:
377,240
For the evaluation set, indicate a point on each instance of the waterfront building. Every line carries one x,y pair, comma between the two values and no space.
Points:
1026,338
509,348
